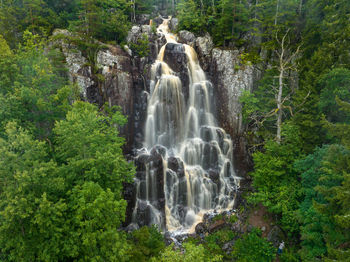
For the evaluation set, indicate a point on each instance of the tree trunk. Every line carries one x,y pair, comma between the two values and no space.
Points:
279,106
277,7
300,6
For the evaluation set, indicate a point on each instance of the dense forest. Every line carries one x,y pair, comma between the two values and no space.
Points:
62,167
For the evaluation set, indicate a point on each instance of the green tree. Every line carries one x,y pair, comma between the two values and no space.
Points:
275,180
146,242
190,17
191,253
31,210
334,84
66,204
252,247
34,94
318,229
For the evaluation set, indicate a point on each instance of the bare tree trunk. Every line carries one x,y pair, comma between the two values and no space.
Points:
133,15
279,106
202,6
277,10
300,6
256,10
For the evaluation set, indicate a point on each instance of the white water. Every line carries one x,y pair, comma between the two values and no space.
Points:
188,131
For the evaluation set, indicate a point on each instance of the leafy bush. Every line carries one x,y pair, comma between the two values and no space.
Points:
141,48
252,247
147,242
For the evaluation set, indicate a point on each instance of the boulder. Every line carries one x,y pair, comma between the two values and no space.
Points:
201,228
186,37
173,24
276,236
217,225
134,34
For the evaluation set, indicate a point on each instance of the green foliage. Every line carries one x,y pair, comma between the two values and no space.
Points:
313,234
215,241
252,247
68,206
141,47
146,242
334,84
102,19
34,93
191,253
275,180
189,17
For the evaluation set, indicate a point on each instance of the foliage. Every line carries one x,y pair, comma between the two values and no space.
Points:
146,242
334,84
215,241
191,253
34,94
141,47
252,247
317,228
68,206
275,180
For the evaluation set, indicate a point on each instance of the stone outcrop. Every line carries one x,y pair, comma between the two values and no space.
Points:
186,37
112,83
230,78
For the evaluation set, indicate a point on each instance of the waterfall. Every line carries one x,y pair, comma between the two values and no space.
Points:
185,167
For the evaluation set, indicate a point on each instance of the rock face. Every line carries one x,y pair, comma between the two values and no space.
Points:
230,78
113,83
186,37
174,22
204,46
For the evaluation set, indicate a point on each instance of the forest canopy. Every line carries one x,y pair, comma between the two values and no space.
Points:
62,167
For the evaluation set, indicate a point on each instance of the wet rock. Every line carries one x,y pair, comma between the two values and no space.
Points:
177,166
201,228
238,200
217,225
132,227
173,24
158,21
214,175
158,150
186,37
143,214
204,46
168,238
176,58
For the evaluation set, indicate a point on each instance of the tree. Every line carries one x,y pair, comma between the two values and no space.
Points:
34,94
147,242
189,16
334,84
65,204
275,180
318,229
191,253
252,247
285,63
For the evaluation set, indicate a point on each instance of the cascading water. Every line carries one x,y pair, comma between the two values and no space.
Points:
185,168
